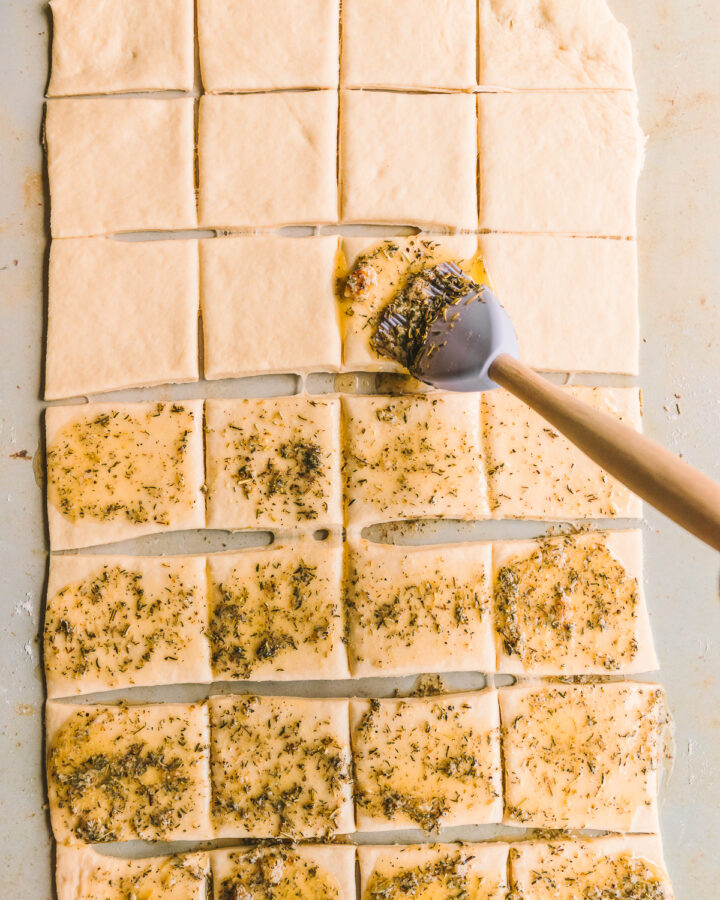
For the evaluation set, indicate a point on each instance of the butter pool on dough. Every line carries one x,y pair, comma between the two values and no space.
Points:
136,45
121,314
276,613
273,463
120,165
121,470
583,755
418,609
427,762
269,305
536,473
280,767
122,773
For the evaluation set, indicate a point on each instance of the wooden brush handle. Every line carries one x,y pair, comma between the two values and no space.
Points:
668,483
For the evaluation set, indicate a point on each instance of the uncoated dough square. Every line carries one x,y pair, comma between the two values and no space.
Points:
263,45
120,165
105,46
268,159
269,305
408,159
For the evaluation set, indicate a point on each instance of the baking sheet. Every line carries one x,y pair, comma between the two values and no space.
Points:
678,70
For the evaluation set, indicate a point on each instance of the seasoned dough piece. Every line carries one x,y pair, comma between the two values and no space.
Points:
412,457
120,470
121,314
572,605
280,767
536,473
276,613
84,874
418,609
402,44
269,305
562,163
263,45
120,165
427,762
583,755
573,301
268,159
119,621
102,46
121,773
435,871
273,463
408,159
528,44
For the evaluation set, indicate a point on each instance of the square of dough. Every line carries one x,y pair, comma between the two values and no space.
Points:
427,762
121,470
562,163
418,609
572,605
536,473
81,873
123,773
573,301
264,45
276,613
440,871
412,457
123,621
408,159
269,305
120,314
553,44
583,755
281,767
273,463
102,47
403,44
120,165
268,159
304,870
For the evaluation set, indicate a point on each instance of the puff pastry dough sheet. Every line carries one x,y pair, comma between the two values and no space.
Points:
269,305
122,773
281,767
263,45
101,46
408,159
268,159
573,301
535,473
121,470
553,44
559,163
397,44
273,463
121,314
120,165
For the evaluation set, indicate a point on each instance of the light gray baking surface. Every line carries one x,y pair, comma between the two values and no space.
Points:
678,68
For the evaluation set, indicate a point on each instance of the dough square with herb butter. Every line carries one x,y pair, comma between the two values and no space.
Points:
280,767
427,762
408,159
121,314
101,760
273,463
583,755
120,165
268,159
269,305
102,47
